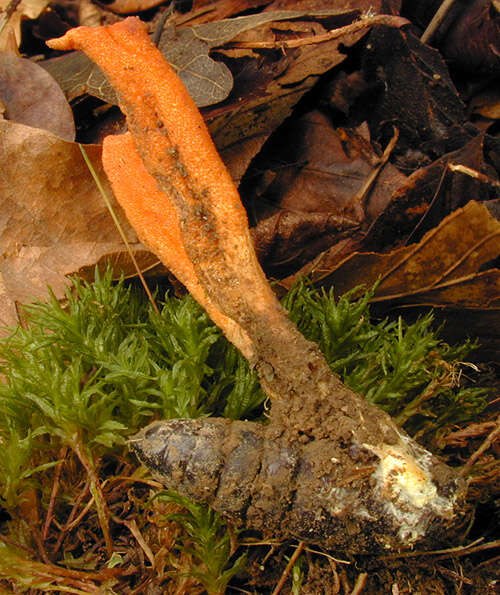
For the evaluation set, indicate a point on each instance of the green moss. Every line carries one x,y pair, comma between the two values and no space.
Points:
208,541
86,374
402,368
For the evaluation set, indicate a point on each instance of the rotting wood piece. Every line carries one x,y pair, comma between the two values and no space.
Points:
329,468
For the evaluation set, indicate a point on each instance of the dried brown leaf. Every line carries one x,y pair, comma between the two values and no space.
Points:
430,194
32,97
77,75
53,219
186,49
413,91
267,87
444,268
472,42
29,9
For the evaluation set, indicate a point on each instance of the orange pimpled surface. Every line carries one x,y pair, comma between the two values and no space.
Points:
141,76
154,218
175,147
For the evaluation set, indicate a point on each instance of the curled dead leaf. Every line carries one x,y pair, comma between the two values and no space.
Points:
444,268
53,219
32,97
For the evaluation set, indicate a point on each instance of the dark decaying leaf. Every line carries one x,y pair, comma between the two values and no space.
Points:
411,89
472,42
449,266
305,191
31,96
187,50
430,194
270,82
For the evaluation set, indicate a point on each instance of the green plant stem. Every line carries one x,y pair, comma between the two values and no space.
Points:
96,491
413,407
118,225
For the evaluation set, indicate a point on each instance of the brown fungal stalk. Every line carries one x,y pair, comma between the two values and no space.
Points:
329,467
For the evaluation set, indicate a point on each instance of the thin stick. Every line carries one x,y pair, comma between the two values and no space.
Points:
379,19
453,552
328,556
336,578
134,529
468,171
490,439
289,566
97,493
118,226
358,201
53,495
436,21
360,583
72,515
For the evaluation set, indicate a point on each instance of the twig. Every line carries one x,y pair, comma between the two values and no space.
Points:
487,562
53,495
462,550
436,21
72,515
344,581
336,579
97,493
77,520
454,575
380,19
360,583
289,566
41,547
468,171
489,440
158,32
331,558
358,201
472,550
134,529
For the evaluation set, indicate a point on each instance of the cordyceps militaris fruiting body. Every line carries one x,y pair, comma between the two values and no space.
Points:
329,468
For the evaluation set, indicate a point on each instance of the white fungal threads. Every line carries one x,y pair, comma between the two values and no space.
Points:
407,487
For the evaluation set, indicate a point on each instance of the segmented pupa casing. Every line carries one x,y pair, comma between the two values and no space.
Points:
348,496
213,460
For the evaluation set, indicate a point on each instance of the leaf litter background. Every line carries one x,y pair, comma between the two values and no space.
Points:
362,154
